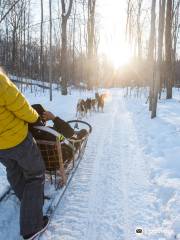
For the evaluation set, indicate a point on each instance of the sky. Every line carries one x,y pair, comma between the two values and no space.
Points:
112,15
111,21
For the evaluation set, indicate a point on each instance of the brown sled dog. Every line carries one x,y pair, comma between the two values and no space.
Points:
100,104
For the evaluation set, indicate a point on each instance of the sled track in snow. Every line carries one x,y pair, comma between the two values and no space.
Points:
110,194
102,205
87,202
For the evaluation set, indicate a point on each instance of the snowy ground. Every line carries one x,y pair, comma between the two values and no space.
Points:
129,177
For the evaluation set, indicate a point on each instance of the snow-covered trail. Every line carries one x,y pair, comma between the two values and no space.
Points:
111,193
114,190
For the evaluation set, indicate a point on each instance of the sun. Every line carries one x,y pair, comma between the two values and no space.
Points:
119,56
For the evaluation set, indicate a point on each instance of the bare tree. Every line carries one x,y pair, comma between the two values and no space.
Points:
158,76
9,10
175,35
91,40
15,18
65,17
41,43
151,51
168,49
139,40
50,49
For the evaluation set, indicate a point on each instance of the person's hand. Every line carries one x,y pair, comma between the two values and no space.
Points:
48,116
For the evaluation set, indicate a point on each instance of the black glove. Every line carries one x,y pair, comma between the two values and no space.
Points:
40,110
39,122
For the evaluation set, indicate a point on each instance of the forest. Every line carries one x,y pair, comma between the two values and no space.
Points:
60,42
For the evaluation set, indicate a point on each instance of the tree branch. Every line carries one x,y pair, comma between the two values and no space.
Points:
69,9
9,11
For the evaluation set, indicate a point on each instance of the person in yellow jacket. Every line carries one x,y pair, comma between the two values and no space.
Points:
21,157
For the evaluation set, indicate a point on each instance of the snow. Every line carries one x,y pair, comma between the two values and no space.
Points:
4,186
28,81
129,177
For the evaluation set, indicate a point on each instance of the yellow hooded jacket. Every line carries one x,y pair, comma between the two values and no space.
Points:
15,114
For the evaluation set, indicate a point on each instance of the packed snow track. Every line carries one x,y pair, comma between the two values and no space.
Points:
111,193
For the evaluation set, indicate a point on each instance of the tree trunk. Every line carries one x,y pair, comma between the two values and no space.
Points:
151,52
168,49
64,57
91,42
175,39
139,42
41,43
14,50
159,60
50,50
64,75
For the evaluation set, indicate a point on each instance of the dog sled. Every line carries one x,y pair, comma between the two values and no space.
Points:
61,164
61,155
57,168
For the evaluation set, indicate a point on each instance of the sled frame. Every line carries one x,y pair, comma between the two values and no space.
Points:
64,168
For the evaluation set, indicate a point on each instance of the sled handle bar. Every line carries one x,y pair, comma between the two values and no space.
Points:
83,122
55,133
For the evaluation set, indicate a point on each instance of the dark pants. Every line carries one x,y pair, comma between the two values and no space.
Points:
25,173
